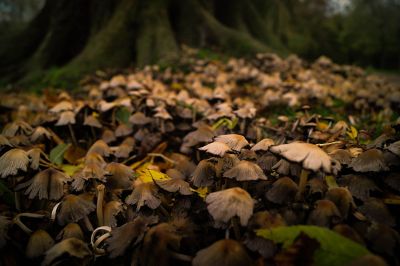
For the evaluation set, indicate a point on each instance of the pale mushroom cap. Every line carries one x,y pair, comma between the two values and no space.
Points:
234,141
175,185
216,148
100,147
263,145
309,155
225,204
245,171
61,107
47,184
39,242
139,118
111,209
66,118
204,174
12,161
40,132
92,121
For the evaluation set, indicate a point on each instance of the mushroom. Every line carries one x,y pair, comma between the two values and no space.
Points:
71,230
369,161
12,161
39,242
123,130
39,134
311,157
125,148
216,148
139,119
74,208
204,174
70,248
225,204
263,145
375,210
119,176
68,118
245,171
100,147
126,235
144,194
283,191
47,184
359,186
108,136
223,253
110,210
99,206
342,198
325,214
175,185
234,141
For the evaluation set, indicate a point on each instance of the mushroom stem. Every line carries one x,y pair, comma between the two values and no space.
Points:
17,221
236,229
180,256
154,154
99,207
88,224
330,181
243,126
71,131
302,183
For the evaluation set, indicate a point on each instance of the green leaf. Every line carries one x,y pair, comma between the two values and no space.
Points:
57,153
122,115
334,250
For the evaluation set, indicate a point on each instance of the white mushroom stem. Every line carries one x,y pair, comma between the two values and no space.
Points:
99,207
17,221
97,242
302,183
180,256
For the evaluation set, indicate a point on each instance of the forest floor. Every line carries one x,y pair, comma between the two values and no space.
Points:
258,161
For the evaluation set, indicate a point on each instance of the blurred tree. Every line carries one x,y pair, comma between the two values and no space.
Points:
77,36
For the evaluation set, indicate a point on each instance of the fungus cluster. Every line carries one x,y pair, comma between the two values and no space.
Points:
176,168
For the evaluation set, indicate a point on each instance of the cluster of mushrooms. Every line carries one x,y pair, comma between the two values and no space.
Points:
181,167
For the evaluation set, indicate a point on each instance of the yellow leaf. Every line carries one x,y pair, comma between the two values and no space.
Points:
322,126
352,133
201,191
70,169
148,175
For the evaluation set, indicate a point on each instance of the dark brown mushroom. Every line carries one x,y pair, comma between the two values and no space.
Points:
39,242
283,191
225,252
369,161
325,214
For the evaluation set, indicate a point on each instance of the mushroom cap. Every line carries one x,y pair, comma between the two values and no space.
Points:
225,204
119,176
324,214
175,185
234,141
123,130
223,252
144,194
204,174
245,171
111,209
100,147
61,107
263,145
140,119
342,198
377,211
40,133
92,121
216,148
122,237
73,208
69,231
47,184
108,136
309,155
66,118
283,191
342,156
395,148
12,161
369,161
72,247
359,186
39,242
